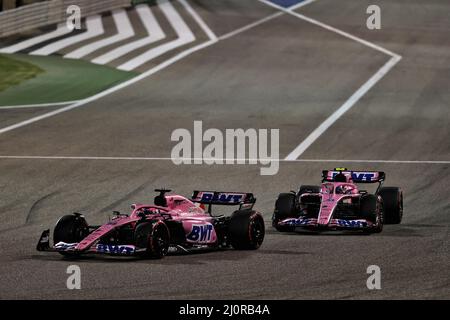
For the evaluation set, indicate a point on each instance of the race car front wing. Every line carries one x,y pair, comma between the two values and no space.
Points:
333,224
99,248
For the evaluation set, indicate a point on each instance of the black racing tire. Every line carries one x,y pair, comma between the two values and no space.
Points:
285,207
371,208
70,229
308,189
392,204
154,236
246,230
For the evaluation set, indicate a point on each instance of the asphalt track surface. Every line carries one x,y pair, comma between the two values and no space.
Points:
285,73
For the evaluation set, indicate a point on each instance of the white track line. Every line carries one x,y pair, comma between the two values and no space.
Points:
41,105
345,34
301,4
94,28
445,162
132,81
328,27
301,148
374,161
154,31
184,34
395,58
250,26
124,31
199,20
60,31
120,86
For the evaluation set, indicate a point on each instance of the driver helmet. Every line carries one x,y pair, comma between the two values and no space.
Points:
344,189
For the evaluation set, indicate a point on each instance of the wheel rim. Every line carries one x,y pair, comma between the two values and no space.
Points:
160,241
80,233
400,206
256,231
380,216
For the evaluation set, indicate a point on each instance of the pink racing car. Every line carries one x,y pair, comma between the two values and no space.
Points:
338,204
172,223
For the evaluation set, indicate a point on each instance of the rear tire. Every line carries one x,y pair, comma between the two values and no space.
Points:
246,230
285,207
372,209
392,204
70,229
154,237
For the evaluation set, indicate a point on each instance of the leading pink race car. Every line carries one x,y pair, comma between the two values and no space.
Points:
172,223
338,204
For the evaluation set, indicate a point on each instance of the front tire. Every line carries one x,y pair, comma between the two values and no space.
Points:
285,207
393,204
246,230
70,229
154,237
372,209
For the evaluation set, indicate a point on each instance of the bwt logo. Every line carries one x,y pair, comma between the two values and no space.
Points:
233,143
352,223
222,197
115,249
298,222
200,233
359,176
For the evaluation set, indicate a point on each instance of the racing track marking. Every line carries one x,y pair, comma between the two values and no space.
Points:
250,26
124,31
395,58
328,27
184,34
373,161
187,52
444,162
94,26
144,75
313,136
102,94
60,31
199,20
154,31
42,105
301,4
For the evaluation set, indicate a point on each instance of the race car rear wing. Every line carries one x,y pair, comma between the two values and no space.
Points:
357,176
244,200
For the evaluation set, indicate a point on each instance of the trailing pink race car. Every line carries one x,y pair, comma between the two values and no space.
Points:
172,223
338,204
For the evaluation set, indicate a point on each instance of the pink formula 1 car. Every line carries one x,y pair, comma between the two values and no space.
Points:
172,223
338,204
